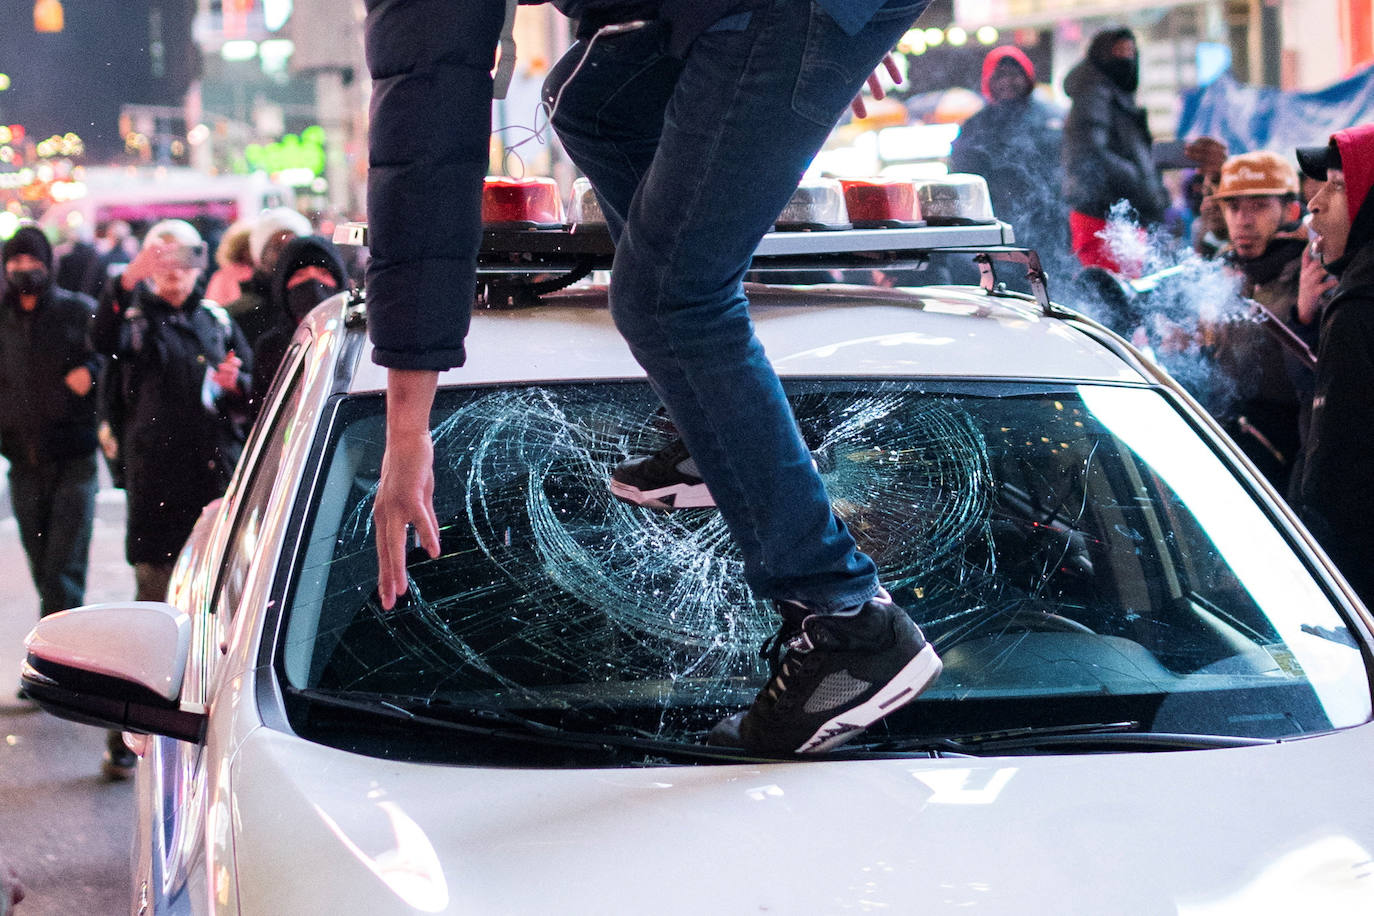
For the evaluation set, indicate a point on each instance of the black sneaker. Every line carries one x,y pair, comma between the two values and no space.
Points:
667,479
832,678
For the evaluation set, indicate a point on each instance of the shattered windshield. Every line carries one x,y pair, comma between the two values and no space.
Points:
1076,553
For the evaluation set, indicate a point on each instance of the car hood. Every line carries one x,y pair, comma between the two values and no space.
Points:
1283,828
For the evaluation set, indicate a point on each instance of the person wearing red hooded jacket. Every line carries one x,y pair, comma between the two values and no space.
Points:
1014,142
1336,492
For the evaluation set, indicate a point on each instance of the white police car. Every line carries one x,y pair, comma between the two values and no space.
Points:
1156,696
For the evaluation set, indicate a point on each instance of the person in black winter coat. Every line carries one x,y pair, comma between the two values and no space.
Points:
1014,142
184,370
1107,146
1336,492
47,419
309,271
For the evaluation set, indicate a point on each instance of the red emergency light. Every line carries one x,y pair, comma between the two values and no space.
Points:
878,203
528,203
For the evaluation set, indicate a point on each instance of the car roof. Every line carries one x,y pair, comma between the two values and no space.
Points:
808,331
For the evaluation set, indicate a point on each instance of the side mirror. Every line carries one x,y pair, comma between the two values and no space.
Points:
115,665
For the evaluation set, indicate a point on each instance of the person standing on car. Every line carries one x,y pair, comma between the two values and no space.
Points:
47,419
1336,492
694,122
1014,142
308,272
184,372
1107,148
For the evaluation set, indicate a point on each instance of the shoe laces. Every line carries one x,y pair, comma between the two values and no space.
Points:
786,651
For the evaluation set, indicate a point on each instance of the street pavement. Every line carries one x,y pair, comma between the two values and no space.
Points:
65,830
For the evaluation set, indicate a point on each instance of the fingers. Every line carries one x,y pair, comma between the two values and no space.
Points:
393,536
875,87
391,560
890,62
405,500
857,106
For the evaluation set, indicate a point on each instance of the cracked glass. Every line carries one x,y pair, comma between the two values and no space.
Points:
1076,553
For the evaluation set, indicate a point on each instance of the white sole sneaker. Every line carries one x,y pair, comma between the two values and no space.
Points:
907,685
676,496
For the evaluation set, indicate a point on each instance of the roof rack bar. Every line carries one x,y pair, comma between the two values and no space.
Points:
509,252
1039,281
596,240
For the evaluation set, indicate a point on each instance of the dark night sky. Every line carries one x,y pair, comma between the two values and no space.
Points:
76,80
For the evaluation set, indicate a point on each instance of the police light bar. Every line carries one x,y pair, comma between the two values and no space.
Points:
528,203
816,204
955,200
584,211
827,224
882,203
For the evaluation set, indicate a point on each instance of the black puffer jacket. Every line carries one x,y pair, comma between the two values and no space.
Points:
1107,141
41,419
180,437
431,63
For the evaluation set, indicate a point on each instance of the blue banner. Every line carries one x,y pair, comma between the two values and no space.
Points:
1249,118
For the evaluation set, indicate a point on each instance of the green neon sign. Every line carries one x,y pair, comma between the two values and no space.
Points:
305,151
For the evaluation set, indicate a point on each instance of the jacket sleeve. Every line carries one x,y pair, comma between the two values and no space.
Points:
430,62
107,324
79,310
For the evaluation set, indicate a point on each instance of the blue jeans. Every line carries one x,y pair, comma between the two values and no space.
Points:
692,161
54,504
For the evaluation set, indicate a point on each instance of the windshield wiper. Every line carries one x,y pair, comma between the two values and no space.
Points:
500,724
1094,736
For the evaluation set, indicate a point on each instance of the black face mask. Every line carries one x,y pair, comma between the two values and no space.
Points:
303,297
29,282
1123,71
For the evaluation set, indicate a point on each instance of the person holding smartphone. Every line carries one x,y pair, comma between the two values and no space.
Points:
183,373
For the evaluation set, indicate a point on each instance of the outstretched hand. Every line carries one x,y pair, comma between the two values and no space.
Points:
405,493
875,86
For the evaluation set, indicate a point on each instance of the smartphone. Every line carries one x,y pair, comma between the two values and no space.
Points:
1168,154
191,256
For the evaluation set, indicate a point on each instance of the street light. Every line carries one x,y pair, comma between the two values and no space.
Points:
47,16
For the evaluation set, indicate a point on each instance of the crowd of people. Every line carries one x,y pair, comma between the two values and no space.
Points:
1286,376
139,363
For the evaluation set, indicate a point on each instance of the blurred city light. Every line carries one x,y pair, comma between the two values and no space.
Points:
47,16
239,50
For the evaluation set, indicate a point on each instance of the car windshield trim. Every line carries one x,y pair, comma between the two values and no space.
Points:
508,726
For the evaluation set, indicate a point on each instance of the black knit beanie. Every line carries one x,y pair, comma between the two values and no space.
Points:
29,240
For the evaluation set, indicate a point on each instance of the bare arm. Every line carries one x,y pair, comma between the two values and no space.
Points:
405,494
